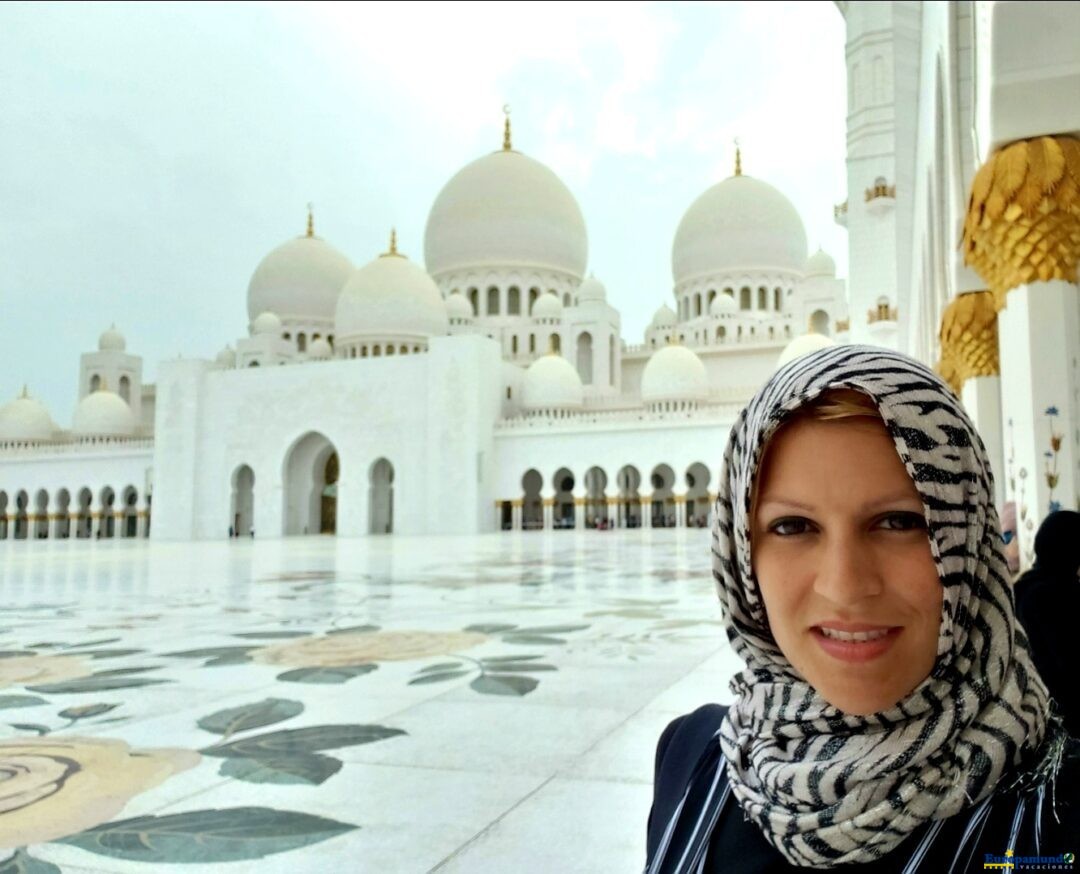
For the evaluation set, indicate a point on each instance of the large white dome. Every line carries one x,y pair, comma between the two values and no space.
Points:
103,414
458,307
552,383
664,317
674,373
390,297
547,306
741,223
300,281
26,418
723,303
505,209
592,289
803,345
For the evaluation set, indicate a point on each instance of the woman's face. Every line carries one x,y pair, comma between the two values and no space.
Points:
842,556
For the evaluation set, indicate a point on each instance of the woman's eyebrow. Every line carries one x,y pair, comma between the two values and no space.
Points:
898,498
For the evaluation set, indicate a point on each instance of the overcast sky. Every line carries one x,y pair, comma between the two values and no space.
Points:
151,155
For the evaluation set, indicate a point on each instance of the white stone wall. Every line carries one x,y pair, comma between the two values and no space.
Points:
431,415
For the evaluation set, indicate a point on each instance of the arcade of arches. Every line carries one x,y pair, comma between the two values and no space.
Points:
625,499
311,478
82,514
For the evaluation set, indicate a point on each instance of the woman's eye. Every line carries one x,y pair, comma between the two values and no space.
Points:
903,522
790,526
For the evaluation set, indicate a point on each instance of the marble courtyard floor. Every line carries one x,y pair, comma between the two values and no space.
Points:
482,704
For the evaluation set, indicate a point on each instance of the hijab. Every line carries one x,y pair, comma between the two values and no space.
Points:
828,788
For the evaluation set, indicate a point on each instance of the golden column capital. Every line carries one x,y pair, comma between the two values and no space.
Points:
1023,219
969,337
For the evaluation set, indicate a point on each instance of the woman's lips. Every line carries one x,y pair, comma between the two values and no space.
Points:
854,650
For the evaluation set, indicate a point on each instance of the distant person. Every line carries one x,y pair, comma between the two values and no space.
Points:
230,532
1048,605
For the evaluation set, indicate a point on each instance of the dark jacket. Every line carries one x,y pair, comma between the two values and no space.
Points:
1048,606
738,846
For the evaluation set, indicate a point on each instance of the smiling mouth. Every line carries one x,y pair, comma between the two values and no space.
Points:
853,636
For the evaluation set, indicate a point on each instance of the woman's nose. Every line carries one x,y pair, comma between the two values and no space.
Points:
847,571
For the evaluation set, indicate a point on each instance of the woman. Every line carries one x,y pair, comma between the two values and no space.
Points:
889,717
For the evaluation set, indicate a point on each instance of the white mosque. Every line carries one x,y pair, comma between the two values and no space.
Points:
490,388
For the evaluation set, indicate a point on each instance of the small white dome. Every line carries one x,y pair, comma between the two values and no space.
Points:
26,418
803,345
390,296
820,264
103,414
674,373
591,289
458,306
723,303
226,357
319,349
111,340
547,306
552,383
266,323
505,209
300,280
663,317
741,223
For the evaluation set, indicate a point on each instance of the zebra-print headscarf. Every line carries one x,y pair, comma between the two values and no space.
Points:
827,788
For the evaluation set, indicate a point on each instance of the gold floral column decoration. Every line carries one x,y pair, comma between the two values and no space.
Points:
1023,220
969,338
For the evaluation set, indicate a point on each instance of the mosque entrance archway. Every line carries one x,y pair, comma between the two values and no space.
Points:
305,483
819,322
21,518
243,501
532,507
697,496
381,497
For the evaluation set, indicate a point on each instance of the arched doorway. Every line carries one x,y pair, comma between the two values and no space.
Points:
381,497
85,520
63,509
21,521
329,495
532,508
819,321
305,482
243,501
629,481
697,496
130,525
41,515
663,498
596,515
564,499
107,523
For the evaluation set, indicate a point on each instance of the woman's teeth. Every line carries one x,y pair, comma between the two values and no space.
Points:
853,636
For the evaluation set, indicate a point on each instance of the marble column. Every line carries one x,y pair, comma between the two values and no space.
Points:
680,511
981,397
646,511
1039,334
549,513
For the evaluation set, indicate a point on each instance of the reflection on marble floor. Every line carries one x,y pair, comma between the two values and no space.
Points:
390,705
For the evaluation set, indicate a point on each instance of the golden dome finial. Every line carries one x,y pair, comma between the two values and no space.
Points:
738,158
310,221
507,144
392,252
